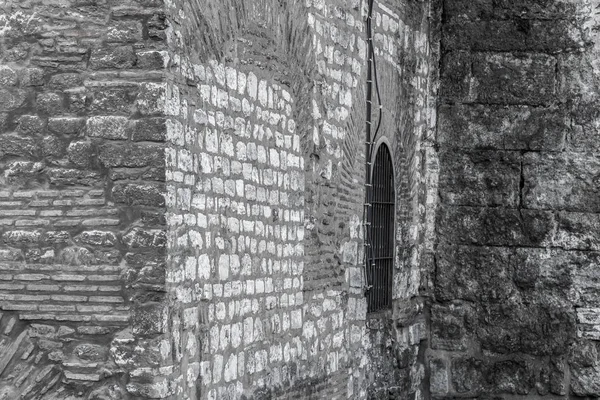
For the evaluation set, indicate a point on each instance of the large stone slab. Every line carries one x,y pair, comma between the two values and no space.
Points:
561,182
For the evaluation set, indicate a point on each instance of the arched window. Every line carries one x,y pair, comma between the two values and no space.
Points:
380,258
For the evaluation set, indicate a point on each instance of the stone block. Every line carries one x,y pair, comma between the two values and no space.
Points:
112,100
107,127
66,125
512,376
131,155
545,276
511,9
585,136
30,125
150,319
586,282
484,178
561,182
518,35
136,194
63,176
53,147
519,327
81,153
12,145
11,99
502,127
151,60
474,273
468,375
124,31
456,76
577,231
151,99
145,238
148,129
495,226
438,382
97,238
50,103
527,79
540,9
452,326
119,57
578,78
65,81
585,369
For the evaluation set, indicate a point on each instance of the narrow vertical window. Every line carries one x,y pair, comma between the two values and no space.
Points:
380,258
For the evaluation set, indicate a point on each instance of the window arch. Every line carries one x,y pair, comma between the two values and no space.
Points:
380,261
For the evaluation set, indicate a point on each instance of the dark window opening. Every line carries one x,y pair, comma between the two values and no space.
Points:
380,257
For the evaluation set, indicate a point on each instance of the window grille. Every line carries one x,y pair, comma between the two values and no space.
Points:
380,258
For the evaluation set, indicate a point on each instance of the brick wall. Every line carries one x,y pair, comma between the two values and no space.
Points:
516,307
82,247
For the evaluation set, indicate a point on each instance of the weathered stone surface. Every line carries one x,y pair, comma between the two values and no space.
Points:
508,79
475,274
577,231
81,153
514,35
502,9
53,147
112,100
585,369
452,327
150,59
456,76
502,127
107,127
62,176
150,319
495,226
136,194
140,238
513,376
561,182
148,129
50,103
119,57
558,381
65,81
66,125
30,125
130,155
98,238
480,178
520,76
21,172
523,328
11,99
439,382
151,99
545,276
586,130
12,145
467,375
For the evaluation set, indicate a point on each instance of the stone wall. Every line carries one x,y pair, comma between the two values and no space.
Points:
82,250
516,282
265,172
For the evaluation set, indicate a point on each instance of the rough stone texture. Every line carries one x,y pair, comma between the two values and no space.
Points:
77,288
183,186
515,312
265,172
